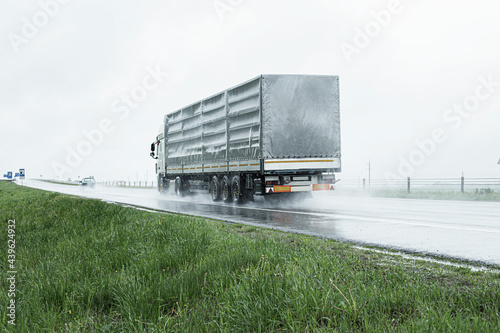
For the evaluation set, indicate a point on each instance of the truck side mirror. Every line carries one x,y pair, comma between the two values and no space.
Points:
153,147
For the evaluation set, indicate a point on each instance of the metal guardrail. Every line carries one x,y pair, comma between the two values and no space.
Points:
461,184
139,183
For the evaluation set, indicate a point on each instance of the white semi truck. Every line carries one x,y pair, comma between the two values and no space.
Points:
271,135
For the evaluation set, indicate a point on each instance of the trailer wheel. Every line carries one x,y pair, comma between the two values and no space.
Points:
226,189
179,191
236,189
215,189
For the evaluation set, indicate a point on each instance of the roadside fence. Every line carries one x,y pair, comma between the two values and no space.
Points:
121,183
459,184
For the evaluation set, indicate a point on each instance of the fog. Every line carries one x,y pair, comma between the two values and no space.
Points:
84,86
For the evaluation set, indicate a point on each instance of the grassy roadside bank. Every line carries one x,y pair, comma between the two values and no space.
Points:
85,265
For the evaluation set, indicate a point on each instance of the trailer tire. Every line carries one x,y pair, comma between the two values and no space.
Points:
215,189
237,191
226,189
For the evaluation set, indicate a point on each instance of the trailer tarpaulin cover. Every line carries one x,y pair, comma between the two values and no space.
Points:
214,120
270,116
300,116
244,121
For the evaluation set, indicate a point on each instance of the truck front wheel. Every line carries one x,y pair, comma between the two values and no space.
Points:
163,184
179,191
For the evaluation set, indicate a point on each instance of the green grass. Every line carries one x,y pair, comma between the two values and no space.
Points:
88,266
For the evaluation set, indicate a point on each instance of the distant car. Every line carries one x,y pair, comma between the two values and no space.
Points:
121,183
88,181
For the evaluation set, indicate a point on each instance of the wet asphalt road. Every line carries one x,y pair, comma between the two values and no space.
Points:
455,229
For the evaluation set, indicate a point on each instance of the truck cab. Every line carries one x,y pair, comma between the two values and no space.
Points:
158,153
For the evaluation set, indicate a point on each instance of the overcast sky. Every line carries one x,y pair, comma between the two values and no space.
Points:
84,85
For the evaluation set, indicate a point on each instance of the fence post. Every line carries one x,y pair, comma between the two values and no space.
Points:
462,184
408,185
364,184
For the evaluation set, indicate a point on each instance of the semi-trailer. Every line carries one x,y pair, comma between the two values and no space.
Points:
271,135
